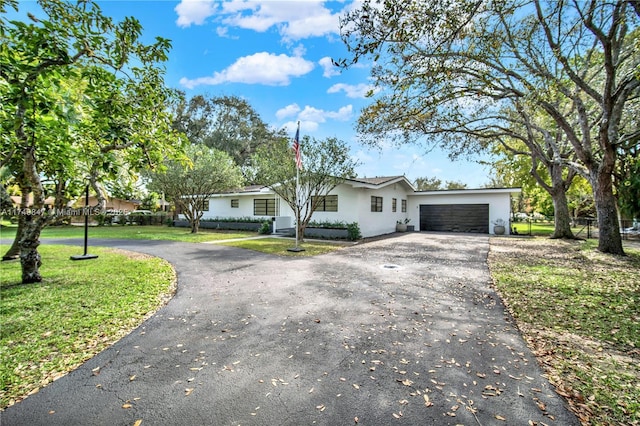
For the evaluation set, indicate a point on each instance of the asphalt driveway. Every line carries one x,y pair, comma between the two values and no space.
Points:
405,330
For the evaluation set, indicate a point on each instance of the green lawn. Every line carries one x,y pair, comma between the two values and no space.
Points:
580,312
280,246
79,309
543,229
135,232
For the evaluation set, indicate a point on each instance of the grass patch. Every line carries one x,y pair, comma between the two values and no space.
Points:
79,309
279,246
580,312
545,229
135,232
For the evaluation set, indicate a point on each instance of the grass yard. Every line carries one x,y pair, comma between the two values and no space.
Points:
279,246
579,310
545,229
78,310
135,233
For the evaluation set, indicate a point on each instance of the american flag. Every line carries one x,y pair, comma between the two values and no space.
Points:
296,148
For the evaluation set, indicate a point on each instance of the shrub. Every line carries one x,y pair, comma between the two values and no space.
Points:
265,228
338,224
353,230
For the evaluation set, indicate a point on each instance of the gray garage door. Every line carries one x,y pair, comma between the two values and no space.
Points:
455,217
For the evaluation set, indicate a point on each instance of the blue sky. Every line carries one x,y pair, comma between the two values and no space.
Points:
277,55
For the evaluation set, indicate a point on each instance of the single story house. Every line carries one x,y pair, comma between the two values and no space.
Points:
377,204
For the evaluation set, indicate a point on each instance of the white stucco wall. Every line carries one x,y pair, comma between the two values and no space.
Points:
220,206
379,223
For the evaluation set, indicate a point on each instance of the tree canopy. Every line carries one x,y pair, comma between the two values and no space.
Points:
190,184
81,96
226,123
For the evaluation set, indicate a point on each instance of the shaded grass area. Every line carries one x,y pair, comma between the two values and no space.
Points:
580,312
545,229
135,232
79,309
280,246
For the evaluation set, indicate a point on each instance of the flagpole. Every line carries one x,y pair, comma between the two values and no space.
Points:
297,187
297,199
297,149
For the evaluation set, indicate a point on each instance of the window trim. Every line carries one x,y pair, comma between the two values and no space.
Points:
322,203
269,206
377,204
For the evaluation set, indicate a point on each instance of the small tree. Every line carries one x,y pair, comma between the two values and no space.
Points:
191,185
47,129
326,164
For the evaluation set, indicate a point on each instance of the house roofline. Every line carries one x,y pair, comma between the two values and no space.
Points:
378,182
512,191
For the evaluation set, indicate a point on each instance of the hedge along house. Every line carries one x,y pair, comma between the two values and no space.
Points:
376,204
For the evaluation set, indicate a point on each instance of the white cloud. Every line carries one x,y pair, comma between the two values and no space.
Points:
288,111
294,21
260,68
194,12
320,116
224,32
310,118
329,69
305,127
357,91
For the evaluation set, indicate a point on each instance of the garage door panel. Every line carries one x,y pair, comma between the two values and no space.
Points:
455,217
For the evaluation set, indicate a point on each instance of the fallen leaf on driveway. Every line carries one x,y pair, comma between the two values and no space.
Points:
427,401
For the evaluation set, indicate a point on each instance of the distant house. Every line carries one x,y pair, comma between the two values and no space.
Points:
377,204
113,204
16,199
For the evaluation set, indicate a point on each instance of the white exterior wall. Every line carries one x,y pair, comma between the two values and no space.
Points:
379,223
220,206
499,203
347,207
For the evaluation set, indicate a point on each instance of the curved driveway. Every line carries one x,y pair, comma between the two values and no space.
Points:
405,330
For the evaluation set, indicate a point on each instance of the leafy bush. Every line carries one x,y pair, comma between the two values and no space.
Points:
336,224
265,228
353,229
245,219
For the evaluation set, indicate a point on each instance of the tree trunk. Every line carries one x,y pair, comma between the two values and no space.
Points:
609,239
30,259
558,192
562,217
195,226
14,250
